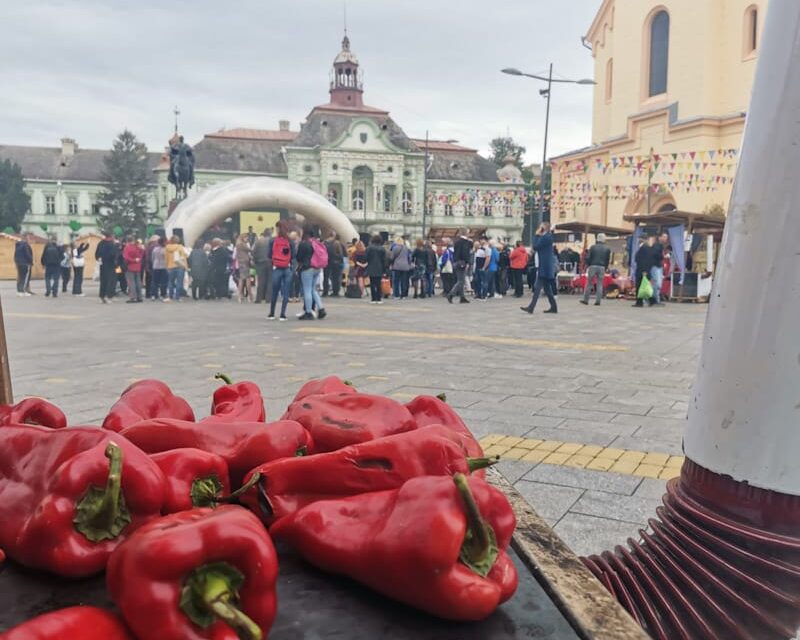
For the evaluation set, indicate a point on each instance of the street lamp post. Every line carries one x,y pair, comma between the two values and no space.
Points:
545,93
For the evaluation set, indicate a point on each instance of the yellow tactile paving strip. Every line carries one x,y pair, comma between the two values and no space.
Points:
583,456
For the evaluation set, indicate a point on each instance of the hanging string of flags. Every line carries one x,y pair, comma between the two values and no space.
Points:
470,198
685,171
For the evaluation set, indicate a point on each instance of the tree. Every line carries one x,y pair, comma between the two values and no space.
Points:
123,203
14,202
505,146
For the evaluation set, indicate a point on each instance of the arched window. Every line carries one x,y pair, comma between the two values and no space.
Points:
408,203
750,30
358,199
609,78
659,54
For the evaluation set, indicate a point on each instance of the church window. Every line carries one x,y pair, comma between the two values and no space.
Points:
408,203
659,54
72,205
50,205
448,209
750,30
358,199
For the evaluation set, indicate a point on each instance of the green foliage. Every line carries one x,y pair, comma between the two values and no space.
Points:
14,202
123,203
505,146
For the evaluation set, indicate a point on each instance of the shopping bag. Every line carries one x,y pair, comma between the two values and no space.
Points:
386,287
645,289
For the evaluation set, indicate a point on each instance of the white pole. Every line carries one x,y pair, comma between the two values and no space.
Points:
709,253
744,413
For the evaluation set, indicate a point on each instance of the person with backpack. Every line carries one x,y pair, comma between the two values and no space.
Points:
332,274
51,261
311,259
23,260
282,256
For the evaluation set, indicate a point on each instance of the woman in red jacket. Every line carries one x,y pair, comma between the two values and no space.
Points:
519,262
133,255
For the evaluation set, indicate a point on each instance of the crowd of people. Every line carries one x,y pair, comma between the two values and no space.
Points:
295,265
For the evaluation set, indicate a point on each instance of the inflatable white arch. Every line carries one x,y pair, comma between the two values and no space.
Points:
199,211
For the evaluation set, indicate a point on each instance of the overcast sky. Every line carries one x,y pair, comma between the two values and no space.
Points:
89,68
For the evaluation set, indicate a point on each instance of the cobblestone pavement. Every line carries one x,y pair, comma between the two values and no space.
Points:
611,376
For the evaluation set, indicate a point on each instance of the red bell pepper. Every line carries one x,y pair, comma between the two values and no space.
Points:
434,410
322,386
33,411
336,420
68,497
194,478
436,543
243,445
237,401
72,623
143,400
289,484
205,573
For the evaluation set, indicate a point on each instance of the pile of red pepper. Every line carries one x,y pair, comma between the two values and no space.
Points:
180,512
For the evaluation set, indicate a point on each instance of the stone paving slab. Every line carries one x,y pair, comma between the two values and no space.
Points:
597,376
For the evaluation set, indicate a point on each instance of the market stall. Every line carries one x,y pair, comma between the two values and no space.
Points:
615,238
697,235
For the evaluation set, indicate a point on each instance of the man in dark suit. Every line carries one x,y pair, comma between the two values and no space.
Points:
547,266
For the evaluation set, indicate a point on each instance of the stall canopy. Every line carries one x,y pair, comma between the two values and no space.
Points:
435,234
700,223
581,226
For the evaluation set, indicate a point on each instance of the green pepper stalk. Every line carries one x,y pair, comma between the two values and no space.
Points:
101,514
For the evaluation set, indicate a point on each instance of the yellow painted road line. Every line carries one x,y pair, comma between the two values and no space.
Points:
461,337
46,316
574,454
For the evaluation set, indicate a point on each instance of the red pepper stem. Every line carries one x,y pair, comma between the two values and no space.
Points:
217,596
442,396
224,377
474,519
474,464
243,489
101,514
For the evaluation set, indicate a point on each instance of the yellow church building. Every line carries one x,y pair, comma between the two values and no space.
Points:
673,82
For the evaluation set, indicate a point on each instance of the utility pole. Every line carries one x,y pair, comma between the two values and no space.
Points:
425,188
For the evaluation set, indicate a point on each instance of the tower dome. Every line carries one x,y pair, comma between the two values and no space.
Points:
509,171
347,86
